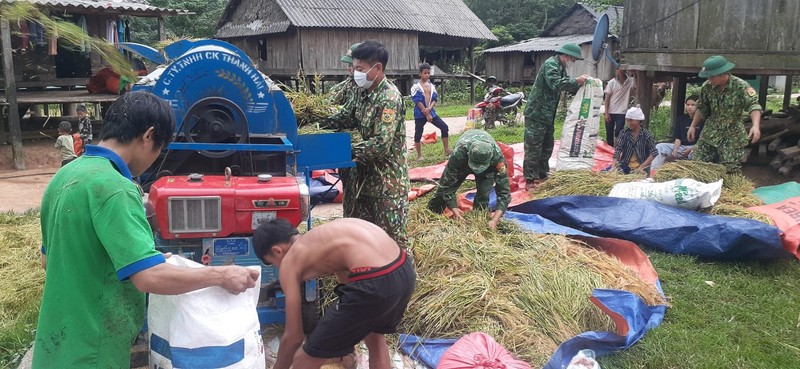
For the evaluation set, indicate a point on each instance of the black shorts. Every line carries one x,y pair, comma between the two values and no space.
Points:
371,302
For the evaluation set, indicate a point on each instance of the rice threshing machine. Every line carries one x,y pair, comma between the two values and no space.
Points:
236,159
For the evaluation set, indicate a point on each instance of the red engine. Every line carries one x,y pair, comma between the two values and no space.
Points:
198,206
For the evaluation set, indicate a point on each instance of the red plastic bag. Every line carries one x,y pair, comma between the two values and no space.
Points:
479,351
429,138
508,154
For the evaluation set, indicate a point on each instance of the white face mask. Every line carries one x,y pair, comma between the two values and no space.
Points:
361,78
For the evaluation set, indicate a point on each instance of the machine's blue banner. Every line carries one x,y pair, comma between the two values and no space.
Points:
662,227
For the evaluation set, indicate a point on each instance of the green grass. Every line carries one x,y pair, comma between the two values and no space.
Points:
444,110
748,319
18,334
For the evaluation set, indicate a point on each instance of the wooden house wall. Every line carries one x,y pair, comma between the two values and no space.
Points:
756,35
319,51
322,48
282,52
506,66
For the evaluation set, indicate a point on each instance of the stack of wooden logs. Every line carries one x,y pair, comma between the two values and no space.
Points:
780,136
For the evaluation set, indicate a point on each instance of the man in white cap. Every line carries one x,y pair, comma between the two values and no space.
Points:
635,149
723,98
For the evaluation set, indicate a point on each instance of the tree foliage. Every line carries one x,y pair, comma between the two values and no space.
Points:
520,19
200,25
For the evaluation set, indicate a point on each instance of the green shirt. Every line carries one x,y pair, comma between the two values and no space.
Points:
95,235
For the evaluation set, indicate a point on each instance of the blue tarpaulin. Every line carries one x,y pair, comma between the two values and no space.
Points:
427,351
662,227
638,316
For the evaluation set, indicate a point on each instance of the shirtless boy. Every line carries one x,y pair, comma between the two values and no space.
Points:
376,280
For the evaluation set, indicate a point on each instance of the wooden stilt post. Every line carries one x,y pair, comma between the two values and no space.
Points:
11,96
472,70
763,84
787,92
644,94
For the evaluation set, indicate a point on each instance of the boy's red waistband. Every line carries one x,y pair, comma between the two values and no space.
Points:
378,272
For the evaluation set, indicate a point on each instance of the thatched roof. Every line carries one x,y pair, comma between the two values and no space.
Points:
443,17
129,7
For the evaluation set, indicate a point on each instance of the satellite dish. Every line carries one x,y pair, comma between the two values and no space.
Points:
600,41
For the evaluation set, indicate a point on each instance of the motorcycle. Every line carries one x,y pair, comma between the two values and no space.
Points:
496,107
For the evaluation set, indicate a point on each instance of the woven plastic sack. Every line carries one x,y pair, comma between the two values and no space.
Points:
206,328
581,127
682,193
479,351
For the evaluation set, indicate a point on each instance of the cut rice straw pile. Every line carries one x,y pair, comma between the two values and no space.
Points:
530,292
21,274
736,194
582,182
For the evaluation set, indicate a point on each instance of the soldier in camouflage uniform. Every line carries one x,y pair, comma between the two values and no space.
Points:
378,189
540,113
343,94
344,91
723,98
477,153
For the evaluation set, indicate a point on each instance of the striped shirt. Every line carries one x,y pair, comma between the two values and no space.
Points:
643,146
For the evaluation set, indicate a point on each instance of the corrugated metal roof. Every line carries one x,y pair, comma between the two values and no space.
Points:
443,17
541,44
130,6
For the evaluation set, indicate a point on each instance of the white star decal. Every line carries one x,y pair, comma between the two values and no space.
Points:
260,95
165,92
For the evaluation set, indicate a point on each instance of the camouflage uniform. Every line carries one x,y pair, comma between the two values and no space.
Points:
377,189
540,114
459,166
345,93
724,137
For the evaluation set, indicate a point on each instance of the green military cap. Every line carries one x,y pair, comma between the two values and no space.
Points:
571,49
715,65
480,156
348,57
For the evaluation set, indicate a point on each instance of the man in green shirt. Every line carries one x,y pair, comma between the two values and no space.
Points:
100,253
476,153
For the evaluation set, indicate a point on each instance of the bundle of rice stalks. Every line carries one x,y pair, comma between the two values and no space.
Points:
697,170
582,182
530,292
736,211
738,190
69,33
21,274
310,108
